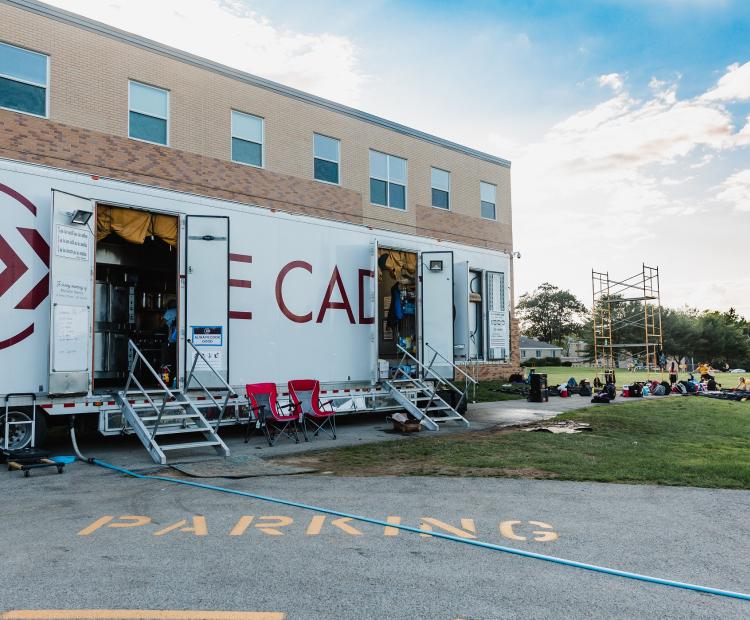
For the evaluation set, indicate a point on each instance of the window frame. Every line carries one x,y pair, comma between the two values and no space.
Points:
450,185
338,163
494,185
262,138
22,81
388,181
169,110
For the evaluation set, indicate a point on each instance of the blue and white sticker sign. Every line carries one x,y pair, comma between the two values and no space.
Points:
207,336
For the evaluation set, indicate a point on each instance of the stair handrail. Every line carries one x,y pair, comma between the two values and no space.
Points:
192,377
168,395
439,378
466,375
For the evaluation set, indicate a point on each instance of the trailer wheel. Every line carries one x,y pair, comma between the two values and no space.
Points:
20,435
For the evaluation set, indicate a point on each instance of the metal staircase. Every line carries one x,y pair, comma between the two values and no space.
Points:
419,394
166,413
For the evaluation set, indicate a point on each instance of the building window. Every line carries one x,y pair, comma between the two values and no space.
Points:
148,117
326,158
523,352
24,80
387,180
247,139
538,354
488,195
441,188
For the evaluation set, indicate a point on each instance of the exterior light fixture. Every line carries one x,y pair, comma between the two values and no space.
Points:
81,217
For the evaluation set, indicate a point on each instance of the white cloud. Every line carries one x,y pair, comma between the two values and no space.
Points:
734,85
736,190
607,184
228,32
613,80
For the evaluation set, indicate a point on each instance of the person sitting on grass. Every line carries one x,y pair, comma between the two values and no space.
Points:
742,386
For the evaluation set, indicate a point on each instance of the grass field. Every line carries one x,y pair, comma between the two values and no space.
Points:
560,374
688,441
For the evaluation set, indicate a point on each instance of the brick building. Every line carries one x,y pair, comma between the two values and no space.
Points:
78,95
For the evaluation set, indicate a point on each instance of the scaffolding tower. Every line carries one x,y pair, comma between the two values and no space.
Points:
610,324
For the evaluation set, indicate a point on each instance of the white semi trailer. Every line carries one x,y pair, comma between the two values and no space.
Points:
91,264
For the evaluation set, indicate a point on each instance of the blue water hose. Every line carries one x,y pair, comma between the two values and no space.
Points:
414,530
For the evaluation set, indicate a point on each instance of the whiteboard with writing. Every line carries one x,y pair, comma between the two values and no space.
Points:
70,346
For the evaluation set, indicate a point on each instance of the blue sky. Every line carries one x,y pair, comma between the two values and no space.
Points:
627,122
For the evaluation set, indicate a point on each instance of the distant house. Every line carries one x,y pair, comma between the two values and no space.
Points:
537,349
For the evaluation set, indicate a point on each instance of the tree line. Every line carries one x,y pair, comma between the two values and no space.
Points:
555,315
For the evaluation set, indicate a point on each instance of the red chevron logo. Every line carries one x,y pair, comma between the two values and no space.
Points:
14,267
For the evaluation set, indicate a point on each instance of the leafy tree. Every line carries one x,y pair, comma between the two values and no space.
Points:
550,314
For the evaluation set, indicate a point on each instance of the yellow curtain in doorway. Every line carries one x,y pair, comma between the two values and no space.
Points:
134,225
164,227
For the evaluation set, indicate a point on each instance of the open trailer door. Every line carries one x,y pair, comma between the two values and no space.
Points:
497,317
436,274
71,293
461,310
207,296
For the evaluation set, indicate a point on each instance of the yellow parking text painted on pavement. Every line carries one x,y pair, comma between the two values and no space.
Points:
320,525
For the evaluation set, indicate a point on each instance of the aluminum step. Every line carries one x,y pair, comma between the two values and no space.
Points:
191,444
164,418
177,431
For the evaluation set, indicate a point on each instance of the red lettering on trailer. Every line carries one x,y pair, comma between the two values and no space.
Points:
236,314
335,305
295,264
240,258
327,304
240,283
364,320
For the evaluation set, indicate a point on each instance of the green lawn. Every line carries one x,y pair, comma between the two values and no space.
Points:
689,441
489,391
560,374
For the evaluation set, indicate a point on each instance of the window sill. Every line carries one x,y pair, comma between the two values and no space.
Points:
244,163
327,182
46,116
147,141
375,204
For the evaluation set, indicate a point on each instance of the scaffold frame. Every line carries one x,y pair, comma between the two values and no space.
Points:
607,292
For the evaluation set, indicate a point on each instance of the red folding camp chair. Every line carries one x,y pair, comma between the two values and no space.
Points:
274,422
305,395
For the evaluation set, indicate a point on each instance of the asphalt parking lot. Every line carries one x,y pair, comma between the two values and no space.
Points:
92,539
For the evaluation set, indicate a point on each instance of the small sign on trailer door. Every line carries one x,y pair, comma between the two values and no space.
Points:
207,336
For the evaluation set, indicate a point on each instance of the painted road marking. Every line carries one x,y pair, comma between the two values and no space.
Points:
317,525
137,614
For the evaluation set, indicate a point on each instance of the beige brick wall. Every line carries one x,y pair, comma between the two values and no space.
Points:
89,86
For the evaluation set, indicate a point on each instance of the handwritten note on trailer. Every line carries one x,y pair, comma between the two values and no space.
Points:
70,345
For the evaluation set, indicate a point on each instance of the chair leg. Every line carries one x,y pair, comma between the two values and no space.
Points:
303,422
267,432
247,430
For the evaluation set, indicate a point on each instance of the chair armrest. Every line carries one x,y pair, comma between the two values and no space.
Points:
291,406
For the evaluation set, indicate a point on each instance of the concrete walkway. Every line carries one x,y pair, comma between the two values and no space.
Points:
512,412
